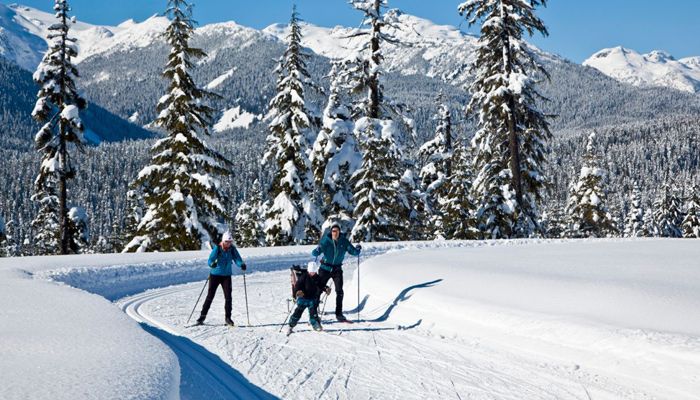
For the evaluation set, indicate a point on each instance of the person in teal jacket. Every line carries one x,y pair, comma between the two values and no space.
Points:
221,262
333,247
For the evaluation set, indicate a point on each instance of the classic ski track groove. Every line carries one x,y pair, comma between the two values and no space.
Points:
229,386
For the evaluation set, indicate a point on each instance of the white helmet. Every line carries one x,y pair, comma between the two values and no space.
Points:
312,267
227,237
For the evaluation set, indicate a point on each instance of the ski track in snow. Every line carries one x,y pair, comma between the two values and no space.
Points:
359,361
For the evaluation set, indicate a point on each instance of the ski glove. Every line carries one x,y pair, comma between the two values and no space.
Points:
243,267
300,294
358,247
214,264
327,290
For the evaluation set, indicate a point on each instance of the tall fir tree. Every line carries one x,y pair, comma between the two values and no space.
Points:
457,208
587,205
181,188
436,155
649,229
248,232
634,223
57,107
335,156
512,139
79,232
293,217
691,222
668,212
382,205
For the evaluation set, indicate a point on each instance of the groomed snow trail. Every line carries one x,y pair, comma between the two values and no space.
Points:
369,359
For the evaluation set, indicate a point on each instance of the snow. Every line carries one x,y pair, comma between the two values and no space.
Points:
657,68
91,39
428,48
600,319
220,80
235,118
61,343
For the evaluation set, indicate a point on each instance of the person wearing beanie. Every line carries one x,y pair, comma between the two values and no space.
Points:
333,247
221,260
307,292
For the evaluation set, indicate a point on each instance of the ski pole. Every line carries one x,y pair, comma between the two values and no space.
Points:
245,290
195,304
325,301
285,320
358,287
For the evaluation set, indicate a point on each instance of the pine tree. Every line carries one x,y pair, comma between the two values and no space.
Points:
668,213
511,142
335,156
46,225
437,169
181,188
587,205
248,232
649,229
691,222
457,208
57,107
78,229
634,224
382,206
293,217
3,238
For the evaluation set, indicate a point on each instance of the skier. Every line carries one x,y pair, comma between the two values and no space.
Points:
307,292
220,261
333,246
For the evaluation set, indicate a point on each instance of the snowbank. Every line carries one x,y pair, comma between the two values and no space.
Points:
622,307
60,343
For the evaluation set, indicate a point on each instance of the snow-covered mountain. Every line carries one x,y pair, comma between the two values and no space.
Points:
23,32
440,51
657,68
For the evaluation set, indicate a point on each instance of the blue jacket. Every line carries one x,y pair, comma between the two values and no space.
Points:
225,260
334,251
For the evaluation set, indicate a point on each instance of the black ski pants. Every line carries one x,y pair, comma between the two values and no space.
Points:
214,282
337,275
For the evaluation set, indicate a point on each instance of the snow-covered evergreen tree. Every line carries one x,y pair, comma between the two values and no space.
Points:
335,156
57,107
46,225
587,205
691,222
293,217
3,238
248,231
382,206
649,229
10,247
181,188
457,207
78,228
634,223
668,213
512,139
436,155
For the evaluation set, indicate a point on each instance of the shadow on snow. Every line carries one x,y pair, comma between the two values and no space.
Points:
204,374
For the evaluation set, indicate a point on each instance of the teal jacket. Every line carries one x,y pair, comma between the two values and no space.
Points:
224,260
334,251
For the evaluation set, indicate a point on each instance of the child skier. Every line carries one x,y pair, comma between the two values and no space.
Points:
307,292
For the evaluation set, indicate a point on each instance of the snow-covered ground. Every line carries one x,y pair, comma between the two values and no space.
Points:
481,320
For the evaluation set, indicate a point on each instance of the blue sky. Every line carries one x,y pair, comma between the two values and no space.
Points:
578,28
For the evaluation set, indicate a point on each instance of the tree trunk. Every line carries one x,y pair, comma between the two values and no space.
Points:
374,75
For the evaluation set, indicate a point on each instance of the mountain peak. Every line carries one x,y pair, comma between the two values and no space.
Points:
657,68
